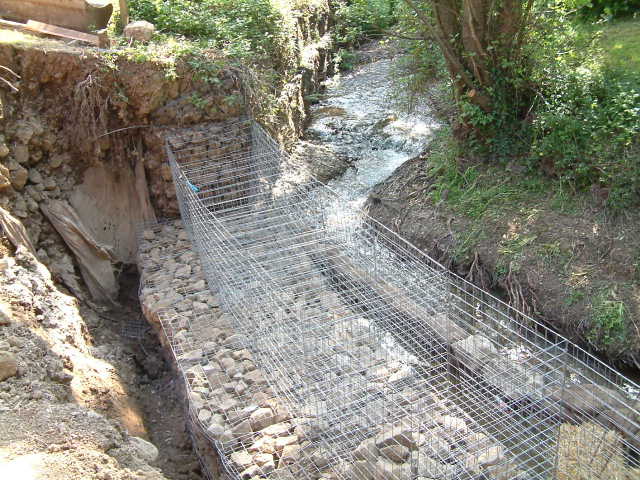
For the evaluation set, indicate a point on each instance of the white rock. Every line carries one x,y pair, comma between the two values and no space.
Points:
367,450
290,455
140,31
262,418
474,351
485,458
204,415
241,459
451,424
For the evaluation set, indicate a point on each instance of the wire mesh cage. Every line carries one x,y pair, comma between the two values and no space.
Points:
322,347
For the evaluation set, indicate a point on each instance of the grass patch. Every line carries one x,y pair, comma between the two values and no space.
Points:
480,190
620,42
608,320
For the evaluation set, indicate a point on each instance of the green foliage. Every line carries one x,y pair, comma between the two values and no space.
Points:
608,8
359,19
586,123
238,27
608,322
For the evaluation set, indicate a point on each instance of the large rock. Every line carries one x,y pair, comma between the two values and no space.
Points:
396,434
587,400
474,351
8,365
320,161
140,31
513,379
262,418
146,450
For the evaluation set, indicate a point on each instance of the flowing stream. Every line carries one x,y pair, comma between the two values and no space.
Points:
360,119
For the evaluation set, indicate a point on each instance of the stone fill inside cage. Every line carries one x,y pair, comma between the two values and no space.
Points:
322,346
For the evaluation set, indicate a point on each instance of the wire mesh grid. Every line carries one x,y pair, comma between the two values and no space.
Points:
331,348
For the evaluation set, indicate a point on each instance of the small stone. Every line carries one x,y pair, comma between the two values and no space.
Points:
240,388
264,444
35,176
5,183
262,458
477,441
227,404
485,458
227,364
56,160
19,177
255,377
250,473
241,459
5,314
140,31
49,184
474,351
21,153
367,450
262,418
165,172
453,424
8,365
290,455
146,450
204,415
4,150
277,430
184,272
285,441
243,428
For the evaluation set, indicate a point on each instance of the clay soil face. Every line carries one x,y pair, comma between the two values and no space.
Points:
82,390
563,260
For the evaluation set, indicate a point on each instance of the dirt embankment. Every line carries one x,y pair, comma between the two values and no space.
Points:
570,265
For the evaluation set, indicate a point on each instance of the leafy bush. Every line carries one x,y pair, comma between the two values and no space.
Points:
585,122
358,19
588,128
609,8
240,27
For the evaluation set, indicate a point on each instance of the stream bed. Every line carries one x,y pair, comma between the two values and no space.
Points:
361,119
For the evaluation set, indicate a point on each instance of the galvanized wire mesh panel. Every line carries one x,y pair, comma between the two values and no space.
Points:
331,348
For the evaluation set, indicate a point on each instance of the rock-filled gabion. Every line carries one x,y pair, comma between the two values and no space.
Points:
255,435
318,347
